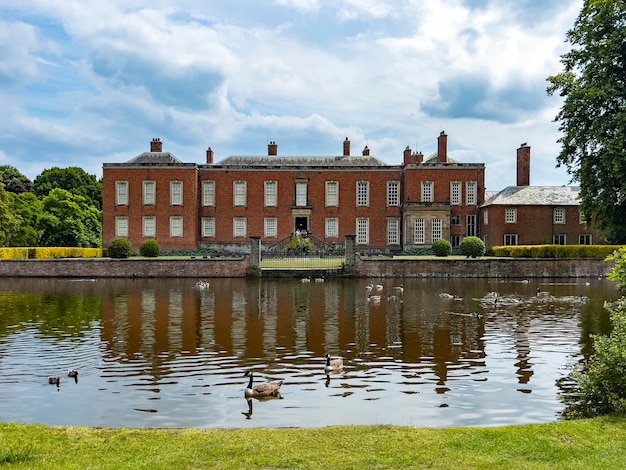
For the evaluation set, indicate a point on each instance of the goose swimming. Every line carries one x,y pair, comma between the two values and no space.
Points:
262,390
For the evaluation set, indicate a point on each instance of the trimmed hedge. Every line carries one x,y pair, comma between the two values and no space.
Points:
49,253
13,253
555,251
150,249
120,248
442,247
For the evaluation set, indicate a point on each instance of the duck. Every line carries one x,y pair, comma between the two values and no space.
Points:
266,390
333,365
399,288
54,381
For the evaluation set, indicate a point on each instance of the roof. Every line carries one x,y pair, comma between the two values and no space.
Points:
273,161
535,196
154,157
434,159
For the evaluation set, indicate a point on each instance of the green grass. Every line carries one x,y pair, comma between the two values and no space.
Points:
581,444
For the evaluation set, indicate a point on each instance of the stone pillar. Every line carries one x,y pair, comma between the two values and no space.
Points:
255,252
350,265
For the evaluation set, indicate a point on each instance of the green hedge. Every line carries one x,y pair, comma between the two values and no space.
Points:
555,251
49,253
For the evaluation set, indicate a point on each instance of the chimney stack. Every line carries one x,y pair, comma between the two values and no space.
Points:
407,156
209,156
419,157
366,151
442,147
156,145
272,148
346,148
523,165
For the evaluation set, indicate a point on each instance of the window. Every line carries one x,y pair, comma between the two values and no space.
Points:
455,193
362,193
176,226
427,191
271,193
510,239
559,239
208,226
208,193
455,241
362,231
149,226
393,232
581,217
121,226
239,188
455,219
239,227
470,193
437,225
121,193
176,193
419,237
584,239
149,193
393,193
301,194
471,226
332,228
559,215
510,216
332,193
271,227
486,217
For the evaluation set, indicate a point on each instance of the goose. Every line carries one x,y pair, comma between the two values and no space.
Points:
262,390
319,279
54,381
202,285
72,373
445,295
306,279
373,298
379,287
369,287
333,365
399,288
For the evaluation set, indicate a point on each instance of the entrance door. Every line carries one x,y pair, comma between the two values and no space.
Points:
302,225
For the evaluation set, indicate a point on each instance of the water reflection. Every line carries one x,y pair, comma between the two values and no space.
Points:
155,352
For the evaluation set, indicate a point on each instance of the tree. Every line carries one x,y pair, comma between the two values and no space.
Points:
73,179
593,115
69,220
8,222
27,209
14,181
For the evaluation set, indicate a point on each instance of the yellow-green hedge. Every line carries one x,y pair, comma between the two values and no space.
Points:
49,253
555,251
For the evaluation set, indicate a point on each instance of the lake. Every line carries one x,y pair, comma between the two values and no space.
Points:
165,353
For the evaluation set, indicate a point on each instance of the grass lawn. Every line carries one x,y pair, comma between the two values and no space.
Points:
581,444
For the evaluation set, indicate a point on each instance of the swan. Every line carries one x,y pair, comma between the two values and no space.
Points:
262,390
333,365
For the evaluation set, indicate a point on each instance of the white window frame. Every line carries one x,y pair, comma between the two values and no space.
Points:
510,215
470,225
271,193
419,232
393,231
437,229
149,226
363,193
270,227
301,193
176,193
557,238
393,193
176,226
455,193
581,217
121,227
471,193
332,193
239,193
121,193
428,189
486,217
510,239
362,231
558,215
208,227
208,193
149,193
585,239
332,227
239,227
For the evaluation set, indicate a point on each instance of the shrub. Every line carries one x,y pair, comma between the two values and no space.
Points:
442,248
472,247
150,249
120,248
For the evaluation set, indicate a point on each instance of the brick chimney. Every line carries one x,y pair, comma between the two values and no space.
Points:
272,148
523,165
419,157
346,148
442,147
366,151
156,145
209,156
407,156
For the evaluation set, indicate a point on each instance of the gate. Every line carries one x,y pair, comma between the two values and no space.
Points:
303,252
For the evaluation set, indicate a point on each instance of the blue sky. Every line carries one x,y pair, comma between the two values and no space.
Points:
84,82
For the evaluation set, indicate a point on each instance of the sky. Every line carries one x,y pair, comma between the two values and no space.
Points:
87,82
